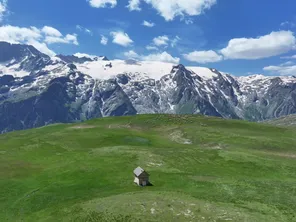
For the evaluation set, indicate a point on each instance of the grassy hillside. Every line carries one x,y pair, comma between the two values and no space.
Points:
202,169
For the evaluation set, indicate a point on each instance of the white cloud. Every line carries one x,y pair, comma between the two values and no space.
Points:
83,29
283,70
203,56
151,47
53,39
163,57
175,41
188,21
36,37
71,39
50,31
14,34
3,8
41,46
134,5
160,57
68,39
161,40
88,31
287,23
81,55
169,9
148,24
131,55
104,40
121,38
273,44
102,3
289,57
287,63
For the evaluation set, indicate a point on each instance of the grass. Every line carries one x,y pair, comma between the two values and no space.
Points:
202,169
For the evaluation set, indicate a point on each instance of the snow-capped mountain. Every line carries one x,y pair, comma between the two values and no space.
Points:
37,90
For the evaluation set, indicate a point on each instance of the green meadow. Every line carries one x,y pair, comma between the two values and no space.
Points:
201,169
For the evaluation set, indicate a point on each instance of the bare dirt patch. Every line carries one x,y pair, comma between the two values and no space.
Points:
287,155
124,126
154,164
214,146
178,137
116,126
83,127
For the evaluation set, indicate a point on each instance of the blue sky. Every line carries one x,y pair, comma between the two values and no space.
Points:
236,36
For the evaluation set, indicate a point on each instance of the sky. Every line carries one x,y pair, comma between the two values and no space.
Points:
241,37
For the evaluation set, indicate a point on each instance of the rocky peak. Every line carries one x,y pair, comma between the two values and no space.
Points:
16,52
68,88
22,57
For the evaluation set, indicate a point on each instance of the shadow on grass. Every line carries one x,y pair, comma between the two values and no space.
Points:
147,185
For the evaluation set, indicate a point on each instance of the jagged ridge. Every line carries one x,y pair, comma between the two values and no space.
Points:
36,90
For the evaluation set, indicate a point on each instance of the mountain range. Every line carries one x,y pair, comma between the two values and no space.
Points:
37,90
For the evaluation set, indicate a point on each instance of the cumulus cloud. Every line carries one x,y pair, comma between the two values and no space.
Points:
203,56
71,39
161,40
41,46
121,38
104,40
273,44
131,55
39,38
3,8
102,3
169,9
162,57
148,24
68,39
15,34
134,5
50,31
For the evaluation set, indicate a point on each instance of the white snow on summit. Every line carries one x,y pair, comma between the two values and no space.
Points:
146,69
14,70
203,72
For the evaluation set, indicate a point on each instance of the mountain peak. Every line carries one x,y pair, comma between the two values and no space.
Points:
18,52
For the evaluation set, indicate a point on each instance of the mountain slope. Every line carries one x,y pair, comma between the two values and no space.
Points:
287,121
201,168
96,87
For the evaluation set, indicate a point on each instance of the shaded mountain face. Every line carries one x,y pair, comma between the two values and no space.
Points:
36,90
73,59
22,57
